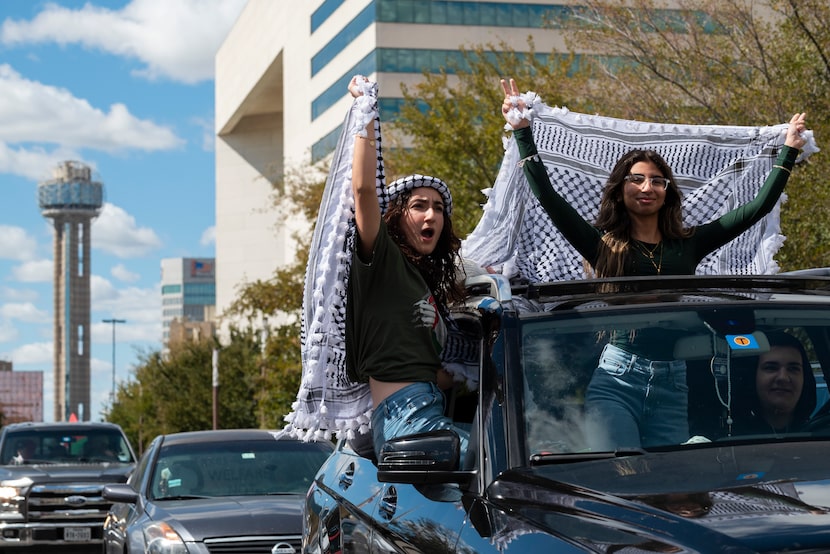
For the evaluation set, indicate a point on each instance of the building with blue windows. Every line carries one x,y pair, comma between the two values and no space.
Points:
188,292
281,96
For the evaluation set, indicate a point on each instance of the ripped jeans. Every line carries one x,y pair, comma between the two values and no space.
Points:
413,409
635,402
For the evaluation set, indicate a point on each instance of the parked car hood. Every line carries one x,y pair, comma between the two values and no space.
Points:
198,519
736,498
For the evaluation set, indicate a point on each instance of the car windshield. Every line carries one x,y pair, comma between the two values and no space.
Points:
211,469
62,447
606,378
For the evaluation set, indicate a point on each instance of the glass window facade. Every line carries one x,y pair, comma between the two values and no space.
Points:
322,13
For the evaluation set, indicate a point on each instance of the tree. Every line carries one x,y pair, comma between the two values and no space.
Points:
175,392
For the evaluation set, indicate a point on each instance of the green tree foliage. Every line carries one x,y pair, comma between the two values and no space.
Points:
175,393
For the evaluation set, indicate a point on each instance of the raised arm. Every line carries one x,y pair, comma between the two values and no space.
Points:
726,228
576,230
366,207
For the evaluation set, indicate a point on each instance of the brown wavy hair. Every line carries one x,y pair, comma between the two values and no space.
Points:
439,269
614,255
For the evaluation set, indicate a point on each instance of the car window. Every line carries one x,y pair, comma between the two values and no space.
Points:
236,468
65,447
702,387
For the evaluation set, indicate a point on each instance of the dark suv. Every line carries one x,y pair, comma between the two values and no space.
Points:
536,477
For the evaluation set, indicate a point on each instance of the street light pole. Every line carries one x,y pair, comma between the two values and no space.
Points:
114,322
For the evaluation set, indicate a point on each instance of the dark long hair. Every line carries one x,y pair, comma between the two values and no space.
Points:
614,255
438,268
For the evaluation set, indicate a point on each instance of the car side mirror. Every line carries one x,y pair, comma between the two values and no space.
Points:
120,493
423,458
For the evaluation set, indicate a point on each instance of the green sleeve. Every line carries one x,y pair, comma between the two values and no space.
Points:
581,234
715,234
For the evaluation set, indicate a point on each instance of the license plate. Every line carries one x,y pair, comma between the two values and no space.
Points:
75,534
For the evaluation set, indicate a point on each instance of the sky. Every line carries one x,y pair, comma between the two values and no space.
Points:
125,87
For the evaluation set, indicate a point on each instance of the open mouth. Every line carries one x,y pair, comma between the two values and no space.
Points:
427,233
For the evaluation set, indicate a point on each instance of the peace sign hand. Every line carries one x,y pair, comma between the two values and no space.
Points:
514,109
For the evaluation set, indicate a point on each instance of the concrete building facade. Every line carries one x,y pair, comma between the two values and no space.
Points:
281,96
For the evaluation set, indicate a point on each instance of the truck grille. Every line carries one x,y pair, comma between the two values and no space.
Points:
66,502
252,545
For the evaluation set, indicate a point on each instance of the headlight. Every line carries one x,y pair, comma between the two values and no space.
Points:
162,539
12,495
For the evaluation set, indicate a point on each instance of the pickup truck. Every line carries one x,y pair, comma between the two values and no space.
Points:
51,481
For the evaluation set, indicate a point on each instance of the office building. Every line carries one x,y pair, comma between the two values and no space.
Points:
281,80
188,292
21,394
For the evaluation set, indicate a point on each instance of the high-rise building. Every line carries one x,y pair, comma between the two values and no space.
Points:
188,293
71,200
281,96
21,394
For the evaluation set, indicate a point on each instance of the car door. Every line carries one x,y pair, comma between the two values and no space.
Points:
340,504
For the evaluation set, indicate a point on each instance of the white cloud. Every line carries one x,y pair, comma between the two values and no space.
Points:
116,232
38,353
174,40
18,295
8,333
33,162
140,307
208,133
26,312
208,236
34,112
123,274
16,244
37,271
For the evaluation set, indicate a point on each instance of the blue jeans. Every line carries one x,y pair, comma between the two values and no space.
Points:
636,402
414,409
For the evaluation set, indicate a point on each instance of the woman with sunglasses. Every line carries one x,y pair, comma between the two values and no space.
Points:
639,231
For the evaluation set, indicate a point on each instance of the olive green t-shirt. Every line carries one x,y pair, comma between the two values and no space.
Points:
394,331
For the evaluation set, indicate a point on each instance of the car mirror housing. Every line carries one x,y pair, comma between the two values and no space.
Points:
121,493
424,458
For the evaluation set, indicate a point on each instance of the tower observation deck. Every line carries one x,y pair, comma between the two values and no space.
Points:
72,200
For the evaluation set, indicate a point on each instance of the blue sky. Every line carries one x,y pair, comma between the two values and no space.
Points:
127,88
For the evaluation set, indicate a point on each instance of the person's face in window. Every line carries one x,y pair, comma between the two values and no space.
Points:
779,380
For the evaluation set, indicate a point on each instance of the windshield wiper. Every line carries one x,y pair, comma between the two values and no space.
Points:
183,497
573,457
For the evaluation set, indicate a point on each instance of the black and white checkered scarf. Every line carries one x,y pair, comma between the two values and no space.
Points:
717,168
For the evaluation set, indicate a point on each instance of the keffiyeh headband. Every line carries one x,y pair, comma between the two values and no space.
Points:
412,182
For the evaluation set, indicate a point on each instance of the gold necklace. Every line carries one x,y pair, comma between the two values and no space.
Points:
649,253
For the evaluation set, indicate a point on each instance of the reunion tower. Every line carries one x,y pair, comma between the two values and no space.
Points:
71,199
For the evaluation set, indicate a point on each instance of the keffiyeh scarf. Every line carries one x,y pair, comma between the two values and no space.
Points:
328,402
716,167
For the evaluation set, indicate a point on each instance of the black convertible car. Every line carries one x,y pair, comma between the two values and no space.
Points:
544,474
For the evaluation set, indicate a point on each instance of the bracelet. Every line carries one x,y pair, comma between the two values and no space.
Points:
371,141
533,157
782,167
